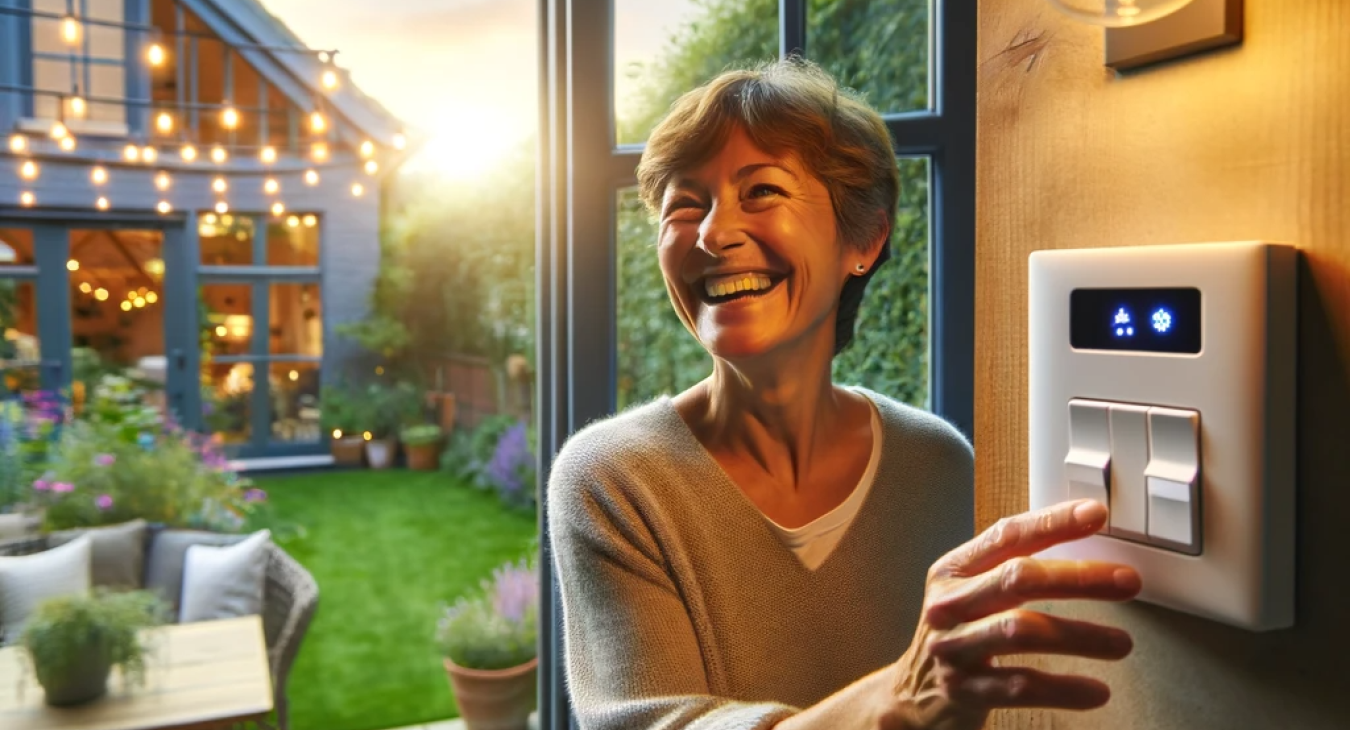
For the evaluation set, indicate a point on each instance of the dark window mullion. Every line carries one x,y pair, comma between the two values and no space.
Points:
791,27
260,402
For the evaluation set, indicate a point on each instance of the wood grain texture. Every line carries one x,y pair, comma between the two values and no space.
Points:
208,674
1246,143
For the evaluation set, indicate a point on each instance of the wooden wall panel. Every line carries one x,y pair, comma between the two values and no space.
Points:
1246,143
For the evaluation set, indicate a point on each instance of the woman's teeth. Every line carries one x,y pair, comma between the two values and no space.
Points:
722,286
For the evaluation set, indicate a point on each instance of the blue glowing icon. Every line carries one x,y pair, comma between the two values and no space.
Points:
1123,325
1162,320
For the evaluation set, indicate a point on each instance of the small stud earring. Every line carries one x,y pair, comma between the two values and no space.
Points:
861,267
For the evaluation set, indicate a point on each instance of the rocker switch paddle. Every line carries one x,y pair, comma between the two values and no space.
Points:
1087,467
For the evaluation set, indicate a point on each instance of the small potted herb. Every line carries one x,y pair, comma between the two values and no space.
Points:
75,641
488,643
422,444
340,412
387,409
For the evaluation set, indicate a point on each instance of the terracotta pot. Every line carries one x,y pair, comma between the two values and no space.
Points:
86,682
380,453
348,450
423,457
497,699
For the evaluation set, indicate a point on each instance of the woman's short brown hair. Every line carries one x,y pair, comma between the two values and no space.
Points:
790,105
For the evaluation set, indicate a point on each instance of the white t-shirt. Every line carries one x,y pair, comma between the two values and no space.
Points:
814,541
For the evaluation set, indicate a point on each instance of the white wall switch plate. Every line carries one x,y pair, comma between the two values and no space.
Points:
1162,382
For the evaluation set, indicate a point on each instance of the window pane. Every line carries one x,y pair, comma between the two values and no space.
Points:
889,353
293,241
656,353
295,402
227,389
47,32
19,348
226,319
105,42
878,47
105,10
226,240
16,247
49,75
296,320
662,50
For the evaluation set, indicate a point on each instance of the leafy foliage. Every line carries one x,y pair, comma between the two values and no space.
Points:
64,630
498,627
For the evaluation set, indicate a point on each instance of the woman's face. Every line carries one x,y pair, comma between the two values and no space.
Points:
749,251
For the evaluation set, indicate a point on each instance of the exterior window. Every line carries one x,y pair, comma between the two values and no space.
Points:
293,241
90,64
226,240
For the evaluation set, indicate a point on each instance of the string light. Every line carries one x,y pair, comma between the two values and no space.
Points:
164,208
324,57
218,155
101,204
293,222
189,153
222,207
367,148
358,190
219,185
317,123
151,297
149,155
126,305
78,107
138,302
18,143
72,265
70,30
98,175
131,153
59,130
101,294
85,287
162,180
230,118
164,122
155,55
268,155
310,221
400,141
271,186
372,167
26,199
67,144
29,170
330,79
311,177
278,209
319,151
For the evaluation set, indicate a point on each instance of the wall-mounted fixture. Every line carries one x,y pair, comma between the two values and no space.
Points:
1140,32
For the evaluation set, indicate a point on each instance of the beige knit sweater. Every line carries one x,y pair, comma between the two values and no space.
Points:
682,609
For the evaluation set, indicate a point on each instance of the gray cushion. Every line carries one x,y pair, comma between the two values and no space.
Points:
119,553
224,582
164,568
28,580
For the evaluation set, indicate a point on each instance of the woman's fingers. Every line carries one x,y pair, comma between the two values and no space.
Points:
1027,579
998,687
1029,632
1024,534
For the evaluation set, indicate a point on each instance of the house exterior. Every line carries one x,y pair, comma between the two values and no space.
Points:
187,190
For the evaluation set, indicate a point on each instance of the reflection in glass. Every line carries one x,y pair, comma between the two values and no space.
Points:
294,389
16,247
226,240
662,50
879,47
20,351
296,320
293,240
226,319
227,389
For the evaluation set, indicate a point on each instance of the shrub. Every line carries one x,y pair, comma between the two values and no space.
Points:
62,629
511,471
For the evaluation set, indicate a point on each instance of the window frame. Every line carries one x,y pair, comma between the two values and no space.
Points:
578,171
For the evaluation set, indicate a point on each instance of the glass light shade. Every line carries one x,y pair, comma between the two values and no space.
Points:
1118,13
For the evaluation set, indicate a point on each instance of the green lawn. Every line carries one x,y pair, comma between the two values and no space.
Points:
387,548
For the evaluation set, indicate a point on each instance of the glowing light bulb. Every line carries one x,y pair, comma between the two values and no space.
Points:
151,297
164,208
278,209
221,331
138,302
358,190
337,433
59,130
98,176
330,79
86,288
70,30
324,57
189,153
27,199
219,156
317,123
372,167
131,153
365,435
400,141
67,144
310,221
311,177
219,185
29,170
72,265
268,155
229,118
271,186
18,143
78,107
319,151
101,204
164,122
367,148
163,181
155,55
126,305
101,294
1118,13
293,222
294,375
222,207
149,154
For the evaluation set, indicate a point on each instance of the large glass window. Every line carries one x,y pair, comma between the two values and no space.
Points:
293,241
73,58
878,47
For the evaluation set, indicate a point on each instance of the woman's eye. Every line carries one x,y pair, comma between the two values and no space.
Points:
764,189
681,207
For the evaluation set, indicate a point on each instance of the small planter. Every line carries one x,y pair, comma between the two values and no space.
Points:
499,699
380,453
348,450
423,457
86,682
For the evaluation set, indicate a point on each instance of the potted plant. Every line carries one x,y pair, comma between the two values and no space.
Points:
75,641
340,413
487,642
389,409
422,444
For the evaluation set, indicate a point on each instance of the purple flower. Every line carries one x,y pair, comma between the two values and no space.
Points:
515,591
104,460
41,485
255,495
103,501
63,487
511,468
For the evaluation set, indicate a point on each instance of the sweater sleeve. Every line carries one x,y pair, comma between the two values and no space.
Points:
632,658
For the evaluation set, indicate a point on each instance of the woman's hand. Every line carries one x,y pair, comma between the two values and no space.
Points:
946,681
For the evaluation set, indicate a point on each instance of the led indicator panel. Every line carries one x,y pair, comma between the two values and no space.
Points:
1143,320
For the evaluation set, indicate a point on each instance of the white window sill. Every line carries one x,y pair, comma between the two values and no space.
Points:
78,127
